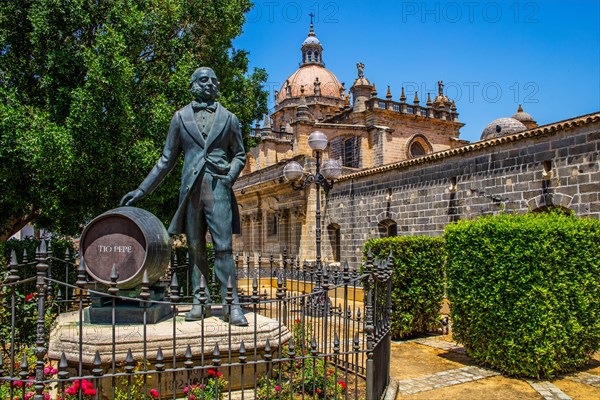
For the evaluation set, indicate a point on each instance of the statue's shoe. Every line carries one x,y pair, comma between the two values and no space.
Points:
236,317
195,314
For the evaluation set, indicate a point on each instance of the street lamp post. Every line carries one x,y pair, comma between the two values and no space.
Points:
323,177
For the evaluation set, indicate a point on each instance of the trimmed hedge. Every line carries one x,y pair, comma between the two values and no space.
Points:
524,291
417,282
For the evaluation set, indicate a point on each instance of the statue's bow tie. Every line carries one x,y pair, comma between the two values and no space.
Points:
210,107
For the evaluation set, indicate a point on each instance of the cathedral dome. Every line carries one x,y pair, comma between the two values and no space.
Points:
502,127
306,76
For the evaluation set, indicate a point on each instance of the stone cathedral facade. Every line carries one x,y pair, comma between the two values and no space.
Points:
405,169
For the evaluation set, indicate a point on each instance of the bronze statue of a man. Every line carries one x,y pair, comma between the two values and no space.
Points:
210,138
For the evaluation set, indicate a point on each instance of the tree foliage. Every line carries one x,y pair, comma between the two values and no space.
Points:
88,89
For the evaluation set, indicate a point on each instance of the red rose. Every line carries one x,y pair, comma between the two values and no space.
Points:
297,320
72,390
17,383
154,393
89,392
219,374
86,385
342,384
211,372
30,296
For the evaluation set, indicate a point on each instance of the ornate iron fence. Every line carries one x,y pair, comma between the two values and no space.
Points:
311,334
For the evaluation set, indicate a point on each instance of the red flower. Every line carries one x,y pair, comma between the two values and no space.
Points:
330,371
211,372
72,390
30,296
154,393
89,392
186,390
319,391
87,384
29,395
297,320
342,384
17,383
219,374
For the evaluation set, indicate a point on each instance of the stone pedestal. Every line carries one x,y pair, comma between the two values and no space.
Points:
201,336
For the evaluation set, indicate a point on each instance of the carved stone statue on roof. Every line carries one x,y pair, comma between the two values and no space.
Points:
361,70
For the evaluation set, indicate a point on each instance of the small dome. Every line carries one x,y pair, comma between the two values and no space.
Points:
311,40
361,82
522,116
502,127
305,76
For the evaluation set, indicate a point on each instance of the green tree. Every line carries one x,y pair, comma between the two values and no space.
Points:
87,91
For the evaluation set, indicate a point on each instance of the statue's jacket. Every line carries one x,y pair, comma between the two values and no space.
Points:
221,154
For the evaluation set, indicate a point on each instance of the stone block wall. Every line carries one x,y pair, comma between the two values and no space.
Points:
557,165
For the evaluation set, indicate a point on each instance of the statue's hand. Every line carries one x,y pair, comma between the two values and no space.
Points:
131,197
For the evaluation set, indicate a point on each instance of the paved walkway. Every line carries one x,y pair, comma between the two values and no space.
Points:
453,375
443,379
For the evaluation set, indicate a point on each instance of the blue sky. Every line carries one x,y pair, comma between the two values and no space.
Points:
491,55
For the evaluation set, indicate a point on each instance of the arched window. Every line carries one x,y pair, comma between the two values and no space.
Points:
387,228
272,224
351,152
316,56
418,146
310,56
417,150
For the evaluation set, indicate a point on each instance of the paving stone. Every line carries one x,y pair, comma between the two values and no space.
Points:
443,379
585,378
548,390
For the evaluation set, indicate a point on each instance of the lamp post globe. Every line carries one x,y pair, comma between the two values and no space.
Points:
331,169
317,141
293,171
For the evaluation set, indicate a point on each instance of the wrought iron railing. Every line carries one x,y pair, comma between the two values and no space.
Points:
311,334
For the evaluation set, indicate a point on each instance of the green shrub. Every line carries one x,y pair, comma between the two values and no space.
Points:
524,291
417,281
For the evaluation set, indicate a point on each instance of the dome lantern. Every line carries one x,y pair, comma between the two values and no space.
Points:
317,80
311,48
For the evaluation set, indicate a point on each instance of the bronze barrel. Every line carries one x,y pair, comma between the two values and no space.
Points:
132,239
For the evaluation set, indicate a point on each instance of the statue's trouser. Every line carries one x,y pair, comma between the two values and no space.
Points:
210,209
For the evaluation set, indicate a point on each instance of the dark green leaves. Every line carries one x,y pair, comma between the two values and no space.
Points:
417,281
524,291
88,90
